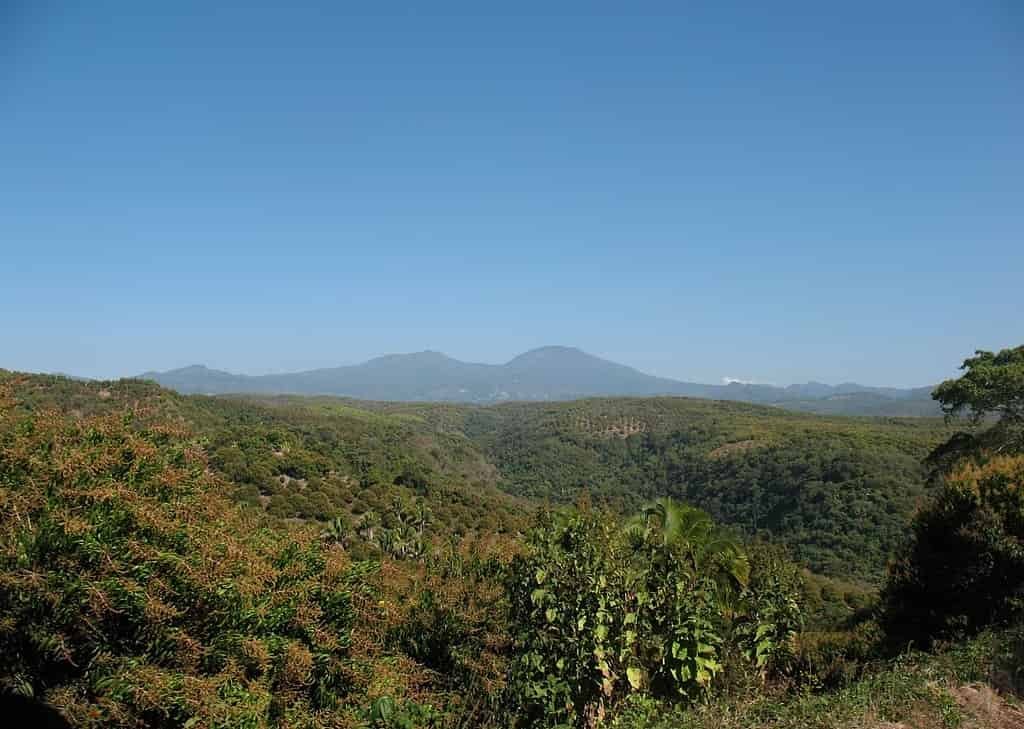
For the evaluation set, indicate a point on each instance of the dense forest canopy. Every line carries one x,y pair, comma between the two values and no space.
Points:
838,491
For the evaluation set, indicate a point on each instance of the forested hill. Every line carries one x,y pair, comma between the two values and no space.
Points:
302,463
545,374
838,491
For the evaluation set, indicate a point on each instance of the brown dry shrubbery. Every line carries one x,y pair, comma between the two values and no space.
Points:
133,593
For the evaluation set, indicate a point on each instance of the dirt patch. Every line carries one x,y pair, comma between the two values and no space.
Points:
602,427
729,448
980,707
983,708
285,480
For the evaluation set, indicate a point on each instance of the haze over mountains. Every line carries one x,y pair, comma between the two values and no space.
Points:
547,373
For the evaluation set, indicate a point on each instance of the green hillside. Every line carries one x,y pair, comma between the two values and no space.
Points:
307,460
837,491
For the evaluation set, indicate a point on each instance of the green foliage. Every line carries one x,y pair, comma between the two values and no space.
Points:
132,592
386,713
308,458
337,531
965,569
966,566
839,493
913,690
771,611
993,384
602,612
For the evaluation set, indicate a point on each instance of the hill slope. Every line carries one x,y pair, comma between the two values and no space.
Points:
838,491
300,462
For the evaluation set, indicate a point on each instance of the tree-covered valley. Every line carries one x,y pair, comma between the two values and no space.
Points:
252,560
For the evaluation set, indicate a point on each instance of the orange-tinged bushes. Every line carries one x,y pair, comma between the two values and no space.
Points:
133,593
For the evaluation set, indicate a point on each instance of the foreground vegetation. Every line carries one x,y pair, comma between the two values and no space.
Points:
378,577
946,689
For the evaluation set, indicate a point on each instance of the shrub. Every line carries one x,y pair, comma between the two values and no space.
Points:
966,566
133,593
600,612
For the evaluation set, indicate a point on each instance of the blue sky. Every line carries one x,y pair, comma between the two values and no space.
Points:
774,192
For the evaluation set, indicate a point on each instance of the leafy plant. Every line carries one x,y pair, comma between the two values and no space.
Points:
602,612
965,567
387,713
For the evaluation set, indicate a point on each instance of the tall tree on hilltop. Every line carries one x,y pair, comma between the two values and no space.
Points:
965,566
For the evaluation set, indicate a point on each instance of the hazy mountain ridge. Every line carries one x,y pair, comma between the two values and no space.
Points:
546,373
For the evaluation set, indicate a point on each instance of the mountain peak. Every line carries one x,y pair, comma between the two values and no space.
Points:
421,353
427,356
550,354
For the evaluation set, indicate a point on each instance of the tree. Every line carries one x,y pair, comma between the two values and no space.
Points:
965,566
369,522
688,532
422,516
992,388
337,531
993,385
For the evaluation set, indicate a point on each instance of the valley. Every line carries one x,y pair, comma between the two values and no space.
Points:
837,492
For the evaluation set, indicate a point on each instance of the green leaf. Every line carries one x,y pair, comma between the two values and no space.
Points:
635,677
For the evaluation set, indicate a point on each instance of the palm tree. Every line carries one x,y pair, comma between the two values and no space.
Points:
421,516
410,541
368,523
388,542
684,530
336,532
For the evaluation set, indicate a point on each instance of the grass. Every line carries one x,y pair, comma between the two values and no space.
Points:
914,691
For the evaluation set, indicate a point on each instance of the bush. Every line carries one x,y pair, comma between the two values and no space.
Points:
771,612
601,612
133,593
966,566
386,713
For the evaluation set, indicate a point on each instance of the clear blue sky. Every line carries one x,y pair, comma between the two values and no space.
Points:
768,191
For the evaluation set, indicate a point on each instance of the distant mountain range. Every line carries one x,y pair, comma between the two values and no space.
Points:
547,373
